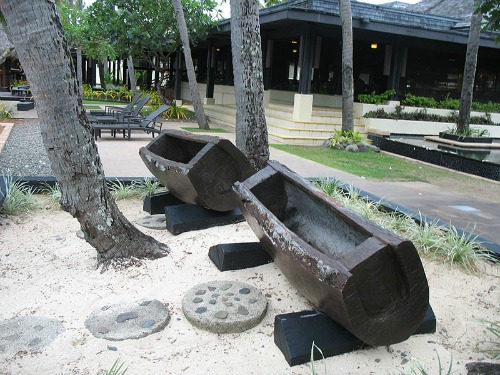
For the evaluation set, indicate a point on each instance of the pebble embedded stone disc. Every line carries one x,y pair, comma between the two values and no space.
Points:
153,221
224,306
128,321
28,333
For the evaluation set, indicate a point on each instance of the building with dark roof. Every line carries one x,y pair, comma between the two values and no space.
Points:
418,49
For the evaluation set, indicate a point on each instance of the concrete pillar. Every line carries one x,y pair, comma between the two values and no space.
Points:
302,107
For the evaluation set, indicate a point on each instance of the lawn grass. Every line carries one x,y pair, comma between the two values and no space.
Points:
198,130
368,164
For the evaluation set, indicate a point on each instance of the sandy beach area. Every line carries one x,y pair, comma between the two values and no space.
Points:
46,270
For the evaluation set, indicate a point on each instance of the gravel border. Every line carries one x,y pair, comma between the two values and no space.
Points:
24,153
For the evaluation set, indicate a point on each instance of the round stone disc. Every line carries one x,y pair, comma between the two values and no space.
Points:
128,320
153,222
224,306
29,333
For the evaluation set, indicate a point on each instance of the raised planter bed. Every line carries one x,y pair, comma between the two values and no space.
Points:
459,138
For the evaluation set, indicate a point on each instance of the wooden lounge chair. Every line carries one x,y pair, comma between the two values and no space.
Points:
146,124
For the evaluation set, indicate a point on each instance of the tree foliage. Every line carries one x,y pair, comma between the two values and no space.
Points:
147,29
491,14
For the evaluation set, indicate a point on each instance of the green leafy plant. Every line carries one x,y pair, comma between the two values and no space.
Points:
491,347
146,187
374,98
117,368
54,193
136,189
313,366
176,111
345,137
18,197
423,115
119,190
420,369
419,101
4,111
470,132
430,239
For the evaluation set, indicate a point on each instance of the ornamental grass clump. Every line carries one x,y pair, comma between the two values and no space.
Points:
430,239
18,197
136,189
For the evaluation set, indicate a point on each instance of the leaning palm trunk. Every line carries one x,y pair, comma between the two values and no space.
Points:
131,73
251,127
38,37
79,68
193,85
469,73
347,66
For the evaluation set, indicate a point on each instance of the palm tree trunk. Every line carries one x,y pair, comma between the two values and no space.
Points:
72,152
251,127
469,73
193,85
131,73
347,66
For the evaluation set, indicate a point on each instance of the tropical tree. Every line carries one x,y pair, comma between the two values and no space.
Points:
469,73
147,29
491,13
71,13
347,66
46,59
193,84
251,128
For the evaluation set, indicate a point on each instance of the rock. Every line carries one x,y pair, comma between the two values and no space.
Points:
136,320
241,307
352,148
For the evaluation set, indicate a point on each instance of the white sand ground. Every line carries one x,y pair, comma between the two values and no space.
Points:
45,270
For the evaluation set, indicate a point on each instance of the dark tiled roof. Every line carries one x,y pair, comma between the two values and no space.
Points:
447,8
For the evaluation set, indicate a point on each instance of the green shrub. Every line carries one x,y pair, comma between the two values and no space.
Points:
176,111
374,98
4,111
345,137
18,197
430,239
423,115
448,103
419,101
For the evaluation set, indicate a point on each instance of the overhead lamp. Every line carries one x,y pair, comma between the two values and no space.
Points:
374,46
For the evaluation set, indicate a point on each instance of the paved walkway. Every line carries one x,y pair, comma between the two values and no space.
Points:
120,158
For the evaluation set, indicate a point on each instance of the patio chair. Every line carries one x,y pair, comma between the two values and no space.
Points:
107,109
120,116
146,124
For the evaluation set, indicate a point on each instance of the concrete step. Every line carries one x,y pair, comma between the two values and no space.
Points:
283,129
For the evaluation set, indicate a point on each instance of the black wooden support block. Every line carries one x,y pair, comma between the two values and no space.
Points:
237,256
428,325
25,106
187,217
294,334
156,203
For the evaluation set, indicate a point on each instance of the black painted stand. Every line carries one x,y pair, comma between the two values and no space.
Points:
187,217
183,217
155,204
237,256
294,334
